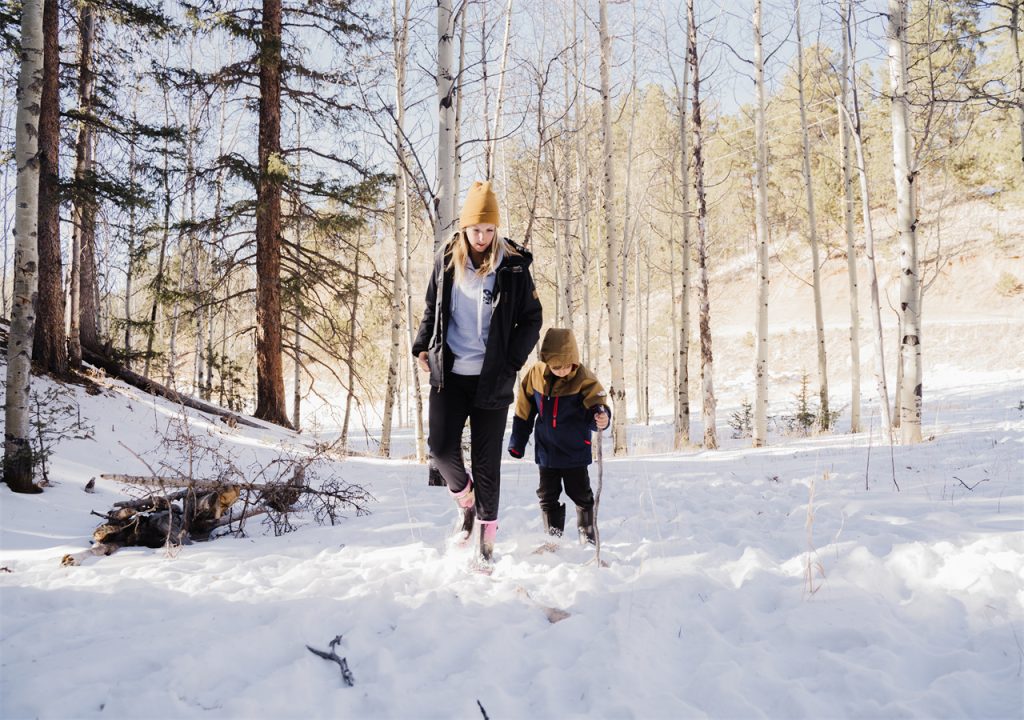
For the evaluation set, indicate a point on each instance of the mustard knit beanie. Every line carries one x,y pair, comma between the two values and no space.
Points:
481,206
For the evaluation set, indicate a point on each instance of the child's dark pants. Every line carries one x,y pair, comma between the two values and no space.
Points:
577,487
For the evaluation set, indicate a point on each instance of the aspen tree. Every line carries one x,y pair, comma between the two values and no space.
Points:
812,234
760,425
681,423
848,217
460,18
350,355
399,27
492,139
1015,23
905,176
17,445
628,220
444,196
8,194
706,354
856,130
617,391
582,178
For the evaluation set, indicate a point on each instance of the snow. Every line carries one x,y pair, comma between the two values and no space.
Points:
741,583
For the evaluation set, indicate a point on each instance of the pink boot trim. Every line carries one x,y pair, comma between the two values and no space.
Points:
489,529
466,498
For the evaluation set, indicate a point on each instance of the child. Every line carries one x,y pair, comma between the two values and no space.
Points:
567,403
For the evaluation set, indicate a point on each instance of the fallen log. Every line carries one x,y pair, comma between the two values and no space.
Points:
114,368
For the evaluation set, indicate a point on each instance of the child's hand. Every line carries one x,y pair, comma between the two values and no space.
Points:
601,419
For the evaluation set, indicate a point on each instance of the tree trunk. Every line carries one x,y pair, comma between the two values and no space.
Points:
905,176
582,168
17,444
682,402
399,40
50,347
570,253
490,147
848,213
5,211
617,391
704,296
133,231
297,303
869,253
812,237
444,198
760,425
85,204
421,437
1015,12
350,356
165,236
457,136
270,397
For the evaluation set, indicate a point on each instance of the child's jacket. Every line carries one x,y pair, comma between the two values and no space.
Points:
561,409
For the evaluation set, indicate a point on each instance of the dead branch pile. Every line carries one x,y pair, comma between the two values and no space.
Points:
169,517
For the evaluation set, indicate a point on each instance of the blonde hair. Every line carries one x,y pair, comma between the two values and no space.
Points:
500,247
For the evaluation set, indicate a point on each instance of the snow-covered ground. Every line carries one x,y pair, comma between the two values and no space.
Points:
793,581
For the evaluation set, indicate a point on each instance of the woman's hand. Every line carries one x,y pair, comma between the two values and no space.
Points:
601,419
421,359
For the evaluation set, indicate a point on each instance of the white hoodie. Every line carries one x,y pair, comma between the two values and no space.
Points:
470,319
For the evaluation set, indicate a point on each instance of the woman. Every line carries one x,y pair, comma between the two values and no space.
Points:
481,321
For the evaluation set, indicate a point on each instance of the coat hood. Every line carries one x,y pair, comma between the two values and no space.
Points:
559,348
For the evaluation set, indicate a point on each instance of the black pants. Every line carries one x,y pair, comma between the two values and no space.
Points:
449,410
577,487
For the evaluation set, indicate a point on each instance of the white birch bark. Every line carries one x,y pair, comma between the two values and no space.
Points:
848,215
583,186
399,36
490,147
617,391
460,17
444,197
569,253
905,176
682,335
5,218
17,444
1015,13
869,254
760,425
812,236
704,295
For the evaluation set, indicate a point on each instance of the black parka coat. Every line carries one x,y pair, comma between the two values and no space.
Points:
515,325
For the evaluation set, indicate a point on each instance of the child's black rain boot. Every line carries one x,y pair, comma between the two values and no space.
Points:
585,524
554,520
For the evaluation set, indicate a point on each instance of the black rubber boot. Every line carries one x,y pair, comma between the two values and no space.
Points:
554,520
585,524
